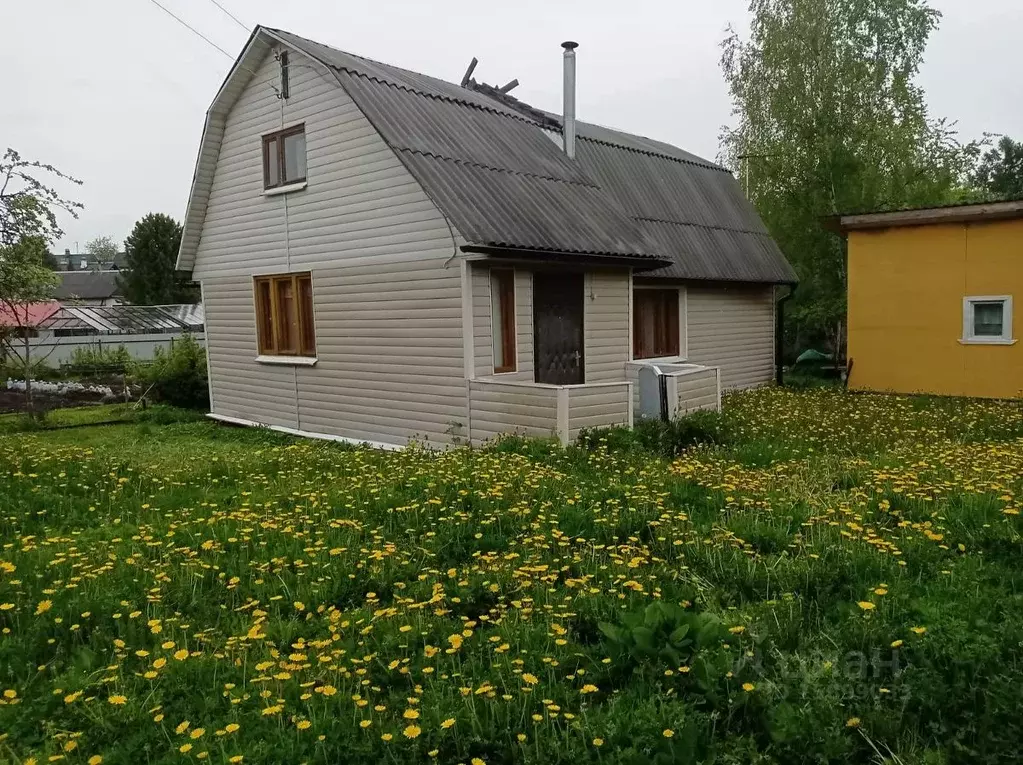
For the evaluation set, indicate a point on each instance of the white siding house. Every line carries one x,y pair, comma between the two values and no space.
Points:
357,287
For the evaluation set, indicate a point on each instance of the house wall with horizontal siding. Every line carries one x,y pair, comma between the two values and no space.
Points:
598,406
697,391
387,292
506,407
732,327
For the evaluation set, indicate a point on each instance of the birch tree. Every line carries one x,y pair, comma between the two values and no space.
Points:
28,223
829,119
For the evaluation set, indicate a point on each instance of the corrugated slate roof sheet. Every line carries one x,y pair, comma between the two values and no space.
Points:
489,163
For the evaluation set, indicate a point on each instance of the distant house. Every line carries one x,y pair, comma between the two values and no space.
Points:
89,287
81,261
931,300
386,256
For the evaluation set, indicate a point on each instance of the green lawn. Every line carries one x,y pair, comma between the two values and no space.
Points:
842,581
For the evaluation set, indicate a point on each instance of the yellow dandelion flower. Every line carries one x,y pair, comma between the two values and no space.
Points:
181,655
386,737
530,679
477,761
236,759
589,688
852,722
43,607
448,723
231,727
95,759
866,605
303,725
896,643
918,630
185,748
598,742
197,733
410,714
365,723
412,731
118,701
182,727
160,663
748,687
71,698
668,733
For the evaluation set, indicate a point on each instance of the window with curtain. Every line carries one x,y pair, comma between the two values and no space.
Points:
502,299
284,315
655,323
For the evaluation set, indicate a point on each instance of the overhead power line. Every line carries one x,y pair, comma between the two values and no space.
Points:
192,29
231,16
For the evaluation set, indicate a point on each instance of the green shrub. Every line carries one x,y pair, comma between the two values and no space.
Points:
667,439
89,362
178,376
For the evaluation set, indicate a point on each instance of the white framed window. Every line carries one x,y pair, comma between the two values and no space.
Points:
987,320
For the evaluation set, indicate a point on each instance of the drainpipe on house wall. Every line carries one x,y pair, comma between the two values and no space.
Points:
779,334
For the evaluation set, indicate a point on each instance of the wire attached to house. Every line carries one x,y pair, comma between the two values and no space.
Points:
195,31
231,16
191,28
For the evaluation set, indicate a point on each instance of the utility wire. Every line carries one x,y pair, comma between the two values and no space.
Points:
231,15
191,28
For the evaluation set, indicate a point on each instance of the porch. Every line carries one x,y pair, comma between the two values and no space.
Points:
499,406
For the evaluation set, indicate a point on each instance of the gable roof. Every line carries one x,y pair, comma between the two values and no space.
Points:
87,285
495,168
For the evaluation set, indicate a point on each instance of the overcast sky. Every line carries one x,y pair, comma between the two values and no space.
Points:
114,92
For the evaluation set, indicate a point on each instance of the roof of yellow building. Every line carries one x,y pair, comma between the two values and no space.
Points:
981,211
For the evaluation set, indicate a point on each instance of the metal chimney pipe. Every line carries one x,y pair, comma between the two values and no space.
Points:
568,128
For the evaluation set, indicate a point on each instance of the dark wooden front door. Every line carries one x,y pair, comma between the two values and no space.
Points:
558,329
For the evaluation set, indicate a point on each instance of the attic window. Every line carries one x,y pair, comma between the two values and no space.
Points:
284,157
285,79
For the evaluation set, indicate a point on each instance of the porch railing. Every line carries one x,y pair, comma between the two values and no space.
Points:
498,407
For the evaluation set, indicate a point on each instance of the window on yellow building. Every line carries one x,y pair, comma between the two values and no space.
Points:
987,320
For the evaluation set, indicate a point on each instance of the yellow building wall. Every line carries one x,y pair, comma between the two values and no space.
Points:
906,290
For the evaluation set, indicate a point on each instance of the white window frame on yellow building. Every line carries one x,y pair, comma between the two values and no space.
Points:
970,338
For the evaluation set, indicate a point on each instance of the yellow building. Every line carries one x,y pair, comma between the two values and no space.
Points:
931,297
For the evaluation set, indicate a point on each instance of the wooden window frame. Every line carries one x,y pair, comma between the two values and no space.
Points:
279,157
667,342
505,279
270,318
